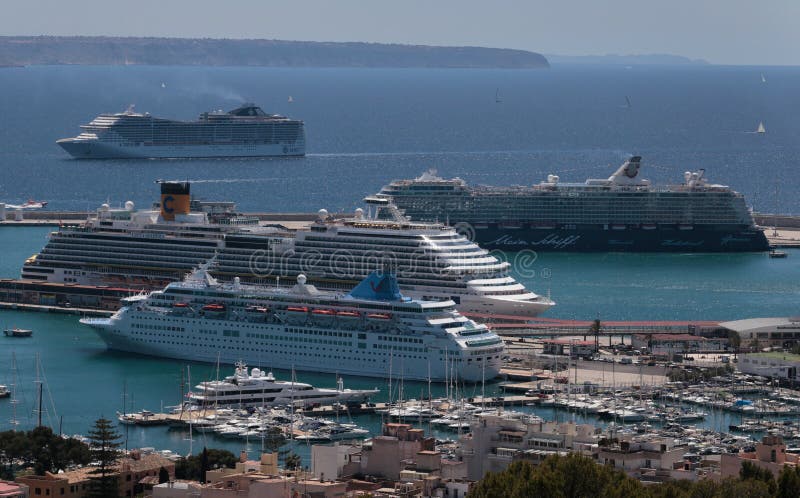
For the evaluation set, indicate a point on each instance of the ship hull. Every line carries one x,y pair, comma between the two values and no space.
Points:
190,345
95,149
629,239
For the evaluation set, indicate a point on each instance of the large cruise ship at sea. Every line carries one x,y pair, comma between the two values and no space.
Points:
621,213
149,248
246,131
371,331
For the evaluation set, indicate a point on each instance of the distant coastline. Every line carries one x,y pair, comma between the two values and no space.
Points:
627,60
80,50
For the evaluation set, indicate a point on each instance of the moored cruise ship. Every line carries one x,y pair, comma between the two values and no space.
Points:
371,331
148,249
621,213
253,388
246,131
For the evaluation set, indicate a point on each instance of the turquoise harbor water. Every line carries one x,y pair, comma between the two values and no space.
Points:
368,126
85,380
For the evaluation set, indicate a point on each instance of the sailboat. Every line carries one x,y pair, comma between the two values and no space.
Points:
290,99
497,98
761,128
763,79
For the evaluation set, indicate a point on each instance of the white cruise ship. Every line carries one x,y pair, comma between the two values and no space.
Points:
433,261
148,249
246,131
255,388
372,331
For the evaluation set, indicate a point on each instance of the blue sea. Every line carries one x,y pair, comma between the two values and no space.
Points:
366,127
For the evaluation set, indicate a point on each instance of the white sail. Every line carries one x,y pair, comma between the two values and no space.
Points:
761,128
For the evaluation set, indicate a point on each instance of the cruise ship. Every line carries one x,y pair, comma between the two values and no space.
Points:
150,248
246,131
254,388
620,213
371,331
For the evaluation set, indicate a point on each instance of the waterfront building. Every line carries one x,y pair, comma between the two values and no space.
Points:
774,364
769,454
647,458
781,332
669,344
571,347
495,441
136,472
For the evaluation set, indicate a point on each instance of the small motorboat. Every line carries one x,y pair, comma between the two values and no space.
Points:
774,253
16,332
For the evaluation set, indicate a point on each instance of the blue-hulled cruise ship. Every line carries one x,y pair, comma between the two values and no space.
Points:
621,213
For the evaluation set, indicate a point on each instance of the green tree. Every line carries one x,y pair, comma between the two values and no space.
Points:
163,475
293,461
789,482
752,472
41,449
104,444
193,466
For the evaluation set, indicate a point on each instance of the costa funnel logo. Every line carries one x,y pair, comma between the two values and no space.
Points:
167,202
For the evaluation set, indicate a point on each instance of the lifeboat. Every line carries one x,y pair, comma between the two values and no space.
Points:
297,309
685,227
214,307
180,305
379,316
257,309
322,312
618,227
348,314
649,226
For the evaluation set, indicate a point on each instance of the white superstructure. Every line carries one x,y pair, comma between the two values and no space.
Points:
253,388
433,261
372,331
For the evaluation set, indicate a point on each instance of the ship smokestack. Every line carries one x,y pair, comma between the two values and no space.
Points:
174,199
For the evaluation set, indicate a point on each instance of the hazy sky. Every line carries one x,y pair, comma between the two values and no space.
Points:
720,31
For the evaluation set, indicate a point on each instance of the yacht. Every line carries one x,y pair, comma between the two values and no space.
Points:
258,388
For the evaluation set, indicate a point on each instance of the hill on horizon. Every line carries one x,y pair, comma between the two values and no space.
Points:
103,50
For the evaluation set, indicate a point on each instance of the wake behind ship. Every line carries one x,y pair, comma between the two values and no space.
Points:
246,131
620,213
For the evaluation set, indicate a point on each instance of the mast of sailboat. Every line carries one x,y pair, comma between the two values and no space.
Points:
39,384
191,434
14,400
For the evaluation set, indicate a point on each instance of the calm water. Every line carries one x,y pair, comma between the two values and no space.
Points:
368,126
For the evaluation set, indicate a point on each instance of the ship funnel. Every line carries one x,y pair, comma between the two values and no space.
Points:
174,199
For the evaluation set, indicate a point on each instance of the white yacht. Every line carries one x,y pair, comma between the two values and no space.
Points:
371,331
255,388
